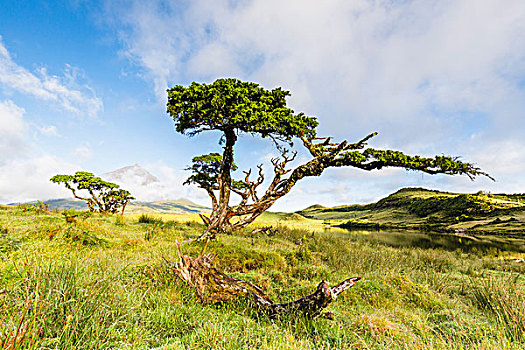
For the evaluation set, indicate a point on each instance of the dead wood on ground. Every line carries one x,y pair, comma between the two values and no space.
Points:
214,286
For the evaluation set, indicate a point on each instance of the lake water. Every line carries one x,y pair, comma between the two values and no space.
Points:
488,244
471,243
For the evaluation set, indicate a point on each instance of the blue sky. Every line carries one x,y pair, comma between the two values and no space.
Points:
82,86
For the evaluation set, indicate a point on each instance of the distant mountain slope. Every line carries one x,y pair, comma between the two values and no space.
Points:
64,203
180,206
434,210
151,194
130,174
146,187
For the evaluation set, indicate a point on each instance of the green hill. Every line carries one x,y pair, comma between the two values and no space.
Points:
62,203
180,206
420,208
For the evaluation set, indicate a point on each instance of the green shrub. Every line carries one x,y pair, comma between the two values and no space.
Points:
148,219
417,294
304,254
82,236
7,244
461,206
120,221
72,215
152,232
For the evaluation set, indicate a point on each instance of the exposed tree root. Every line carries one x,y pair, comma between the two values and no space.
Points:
213,286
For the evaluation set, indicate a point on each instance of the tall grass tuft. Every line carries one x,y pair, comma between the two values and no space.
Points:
148,219
505,302
53,308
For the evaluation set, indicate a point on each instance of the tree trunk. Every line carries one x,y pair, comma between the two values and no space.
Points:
219,219
123,208
213,286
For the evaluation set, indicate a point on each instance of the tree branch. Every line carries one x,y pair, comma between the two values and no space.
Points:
212,197
361,144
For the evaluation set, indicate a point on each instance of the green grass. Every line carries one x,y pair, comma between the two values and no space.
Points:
101,284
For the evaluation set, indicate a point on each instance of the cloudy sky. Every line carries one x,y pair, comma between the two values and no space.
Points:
82,86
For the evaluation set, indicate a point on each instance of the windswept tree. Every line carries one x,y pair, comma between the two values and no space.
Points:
235,107
104,197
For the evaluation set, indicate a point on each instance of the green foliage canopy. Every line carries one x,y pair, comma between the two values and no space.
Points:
205,171
231,104
370,159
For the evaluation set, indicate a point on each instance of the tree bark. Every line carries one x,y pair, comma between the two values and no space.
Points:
219,218
213,286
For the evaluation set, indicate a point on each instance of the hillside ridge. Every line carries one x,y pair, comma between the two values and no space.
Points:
426,209
179,206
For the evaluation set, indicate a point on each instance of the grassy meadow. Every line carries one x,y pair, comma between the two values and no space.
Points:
101,283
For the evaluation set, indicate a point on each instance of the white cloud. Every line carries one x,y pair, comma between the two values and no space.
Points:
65,92
50,130
83,153
360,65
429,76
508,156
168,187
25,168
13,130
151,34
23,180
172,187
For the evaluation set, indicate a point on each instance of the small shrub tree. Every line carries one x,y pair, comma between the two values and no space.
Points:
105,197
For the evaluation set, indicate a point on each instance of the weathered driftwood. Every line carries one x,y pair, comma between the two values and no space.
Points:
213,286
269,230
